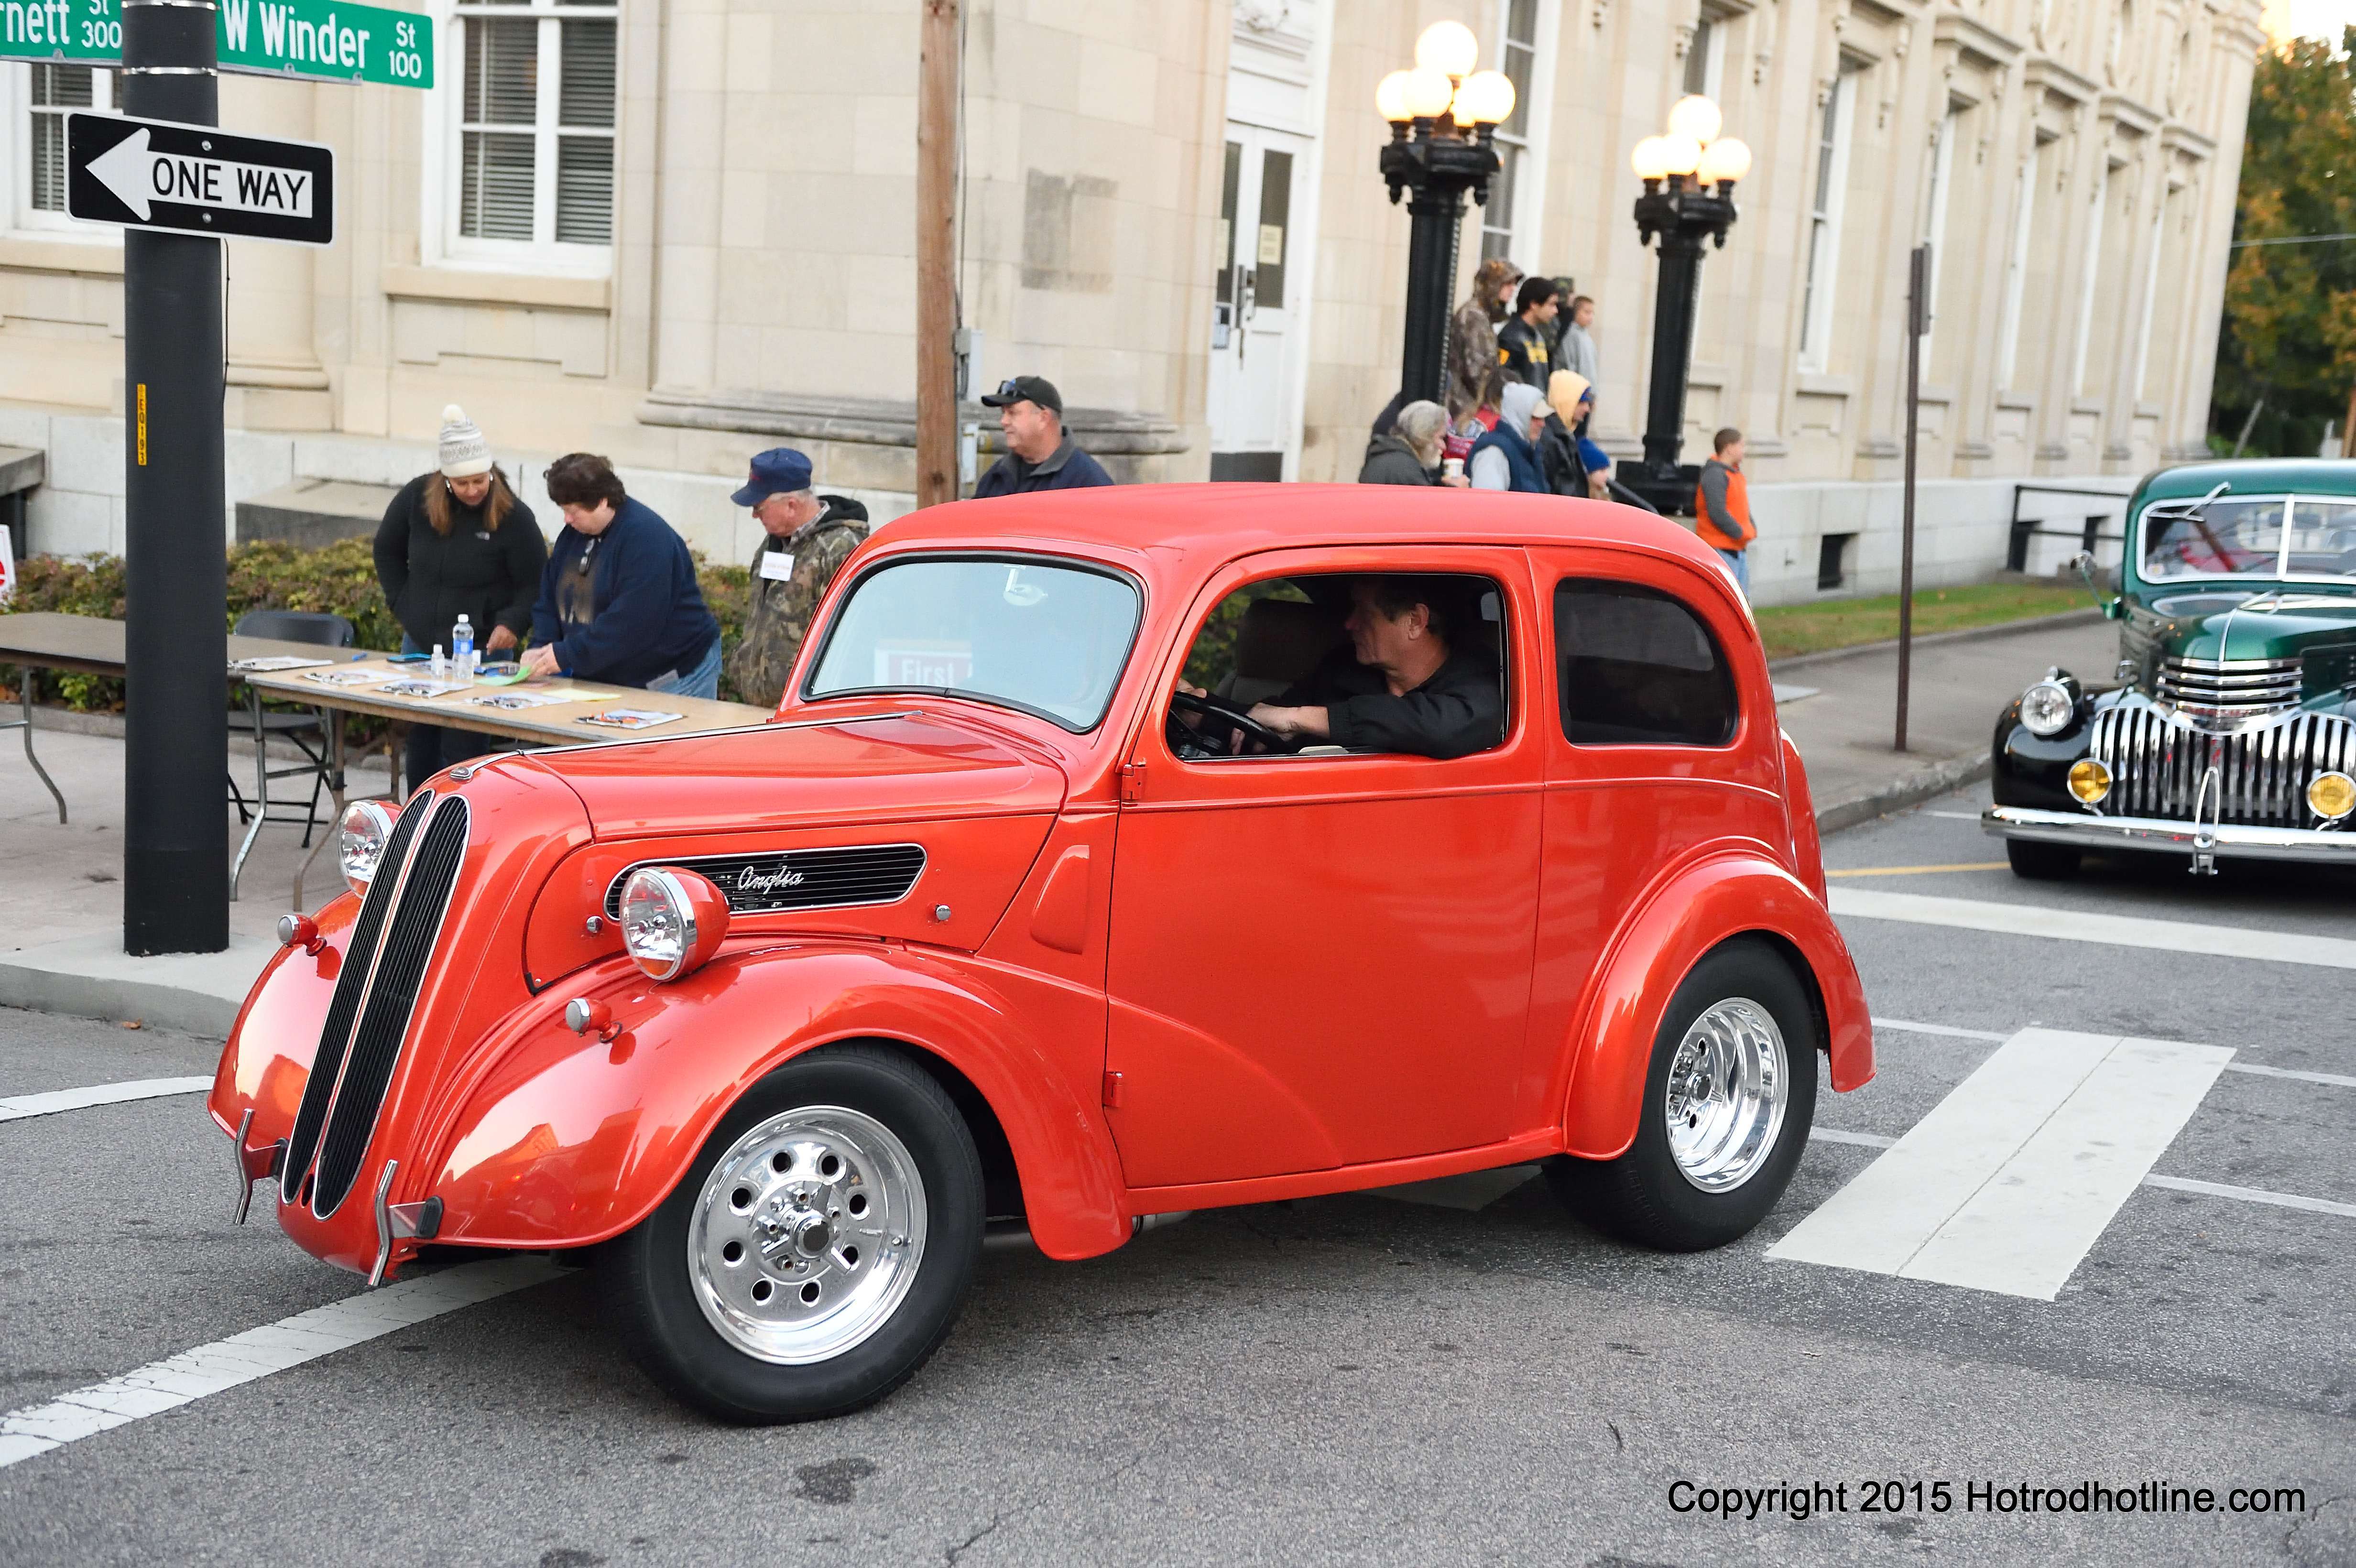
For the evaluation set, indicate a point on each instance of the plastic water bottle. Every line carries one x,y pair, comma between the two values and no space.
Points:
462,652
437,667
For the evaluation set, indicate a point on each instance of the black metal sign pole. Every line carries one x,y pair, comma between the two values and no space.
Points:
176,830
1918,322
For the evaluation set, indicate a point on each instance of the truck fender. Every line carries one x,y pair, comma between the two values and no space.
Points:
564,1140
1688,914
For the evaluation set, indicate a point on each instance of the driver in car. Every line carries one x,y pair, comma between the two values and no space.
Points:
1405,687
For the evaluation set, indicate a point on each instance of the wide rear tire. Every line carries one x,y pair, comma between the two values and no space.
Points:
817,1249
1728,1102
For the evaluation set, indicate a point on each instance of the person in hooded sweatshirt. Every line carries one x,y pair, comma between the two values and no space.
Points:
1409,452
1507,458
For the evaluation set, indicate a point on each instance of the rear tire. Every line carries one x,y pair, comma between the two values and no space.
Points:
817,1249
1740,1025
2040,862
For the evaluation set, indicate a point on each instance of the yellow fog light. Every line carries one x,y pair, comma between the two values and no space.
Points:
2331,795
2090,781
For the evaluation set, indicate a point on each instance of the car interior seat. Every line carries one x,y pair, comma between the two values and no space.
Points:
1279,642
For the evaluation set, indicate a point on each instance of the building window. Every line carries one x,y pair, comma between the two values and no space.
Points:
2016,269
1518,160
1705,55
1823,224
2093,249
2166,205
1934,209
533,145
52,92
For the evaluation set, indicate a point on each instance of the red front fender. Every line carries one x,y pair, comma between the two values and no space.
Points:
566,1140
1686,916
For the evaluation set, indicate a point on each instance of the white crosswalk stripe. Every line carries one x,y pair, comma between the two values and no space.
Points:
2083,926
56,1100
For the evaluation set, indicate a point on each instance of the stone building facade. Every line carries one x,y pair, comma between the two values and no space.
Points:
678,230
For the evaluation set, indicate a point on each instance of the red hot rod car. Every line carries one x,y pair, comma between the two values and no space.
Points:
1113,854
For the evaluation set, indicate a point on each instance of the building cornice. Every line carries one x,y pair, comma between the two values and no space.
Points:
1974,42
2047,74
2140,118
2190,143
885,421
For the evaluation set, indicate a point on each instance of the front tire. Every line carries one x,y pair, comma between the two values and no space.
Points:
2040,862
1728,1102
816,1252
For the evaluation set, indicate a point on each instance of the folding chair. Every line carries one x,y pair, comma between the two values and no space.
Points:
312,733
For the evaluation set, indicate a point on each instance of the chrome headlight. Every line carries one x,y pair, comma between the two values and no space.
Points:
361,838
2046,708
672,920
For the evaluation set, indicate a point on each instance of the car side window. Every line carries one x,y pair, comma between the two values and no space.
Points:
1638,668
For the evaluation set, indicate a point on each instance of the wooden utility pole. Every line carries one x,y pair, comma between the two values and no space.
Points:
936,96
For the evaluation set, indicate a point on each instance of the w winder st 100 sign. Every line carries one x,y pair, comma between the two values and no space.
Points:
259,37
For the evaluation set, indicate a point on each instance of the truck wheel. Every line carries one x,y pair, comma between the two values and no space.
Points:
817,1249
2040,862
1728,1102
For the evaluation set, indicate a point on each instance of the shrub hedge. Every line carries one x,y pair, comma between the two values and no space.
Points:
271,574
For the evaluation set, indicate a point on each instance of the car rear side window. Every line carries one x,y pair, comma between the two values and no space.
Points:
1638,668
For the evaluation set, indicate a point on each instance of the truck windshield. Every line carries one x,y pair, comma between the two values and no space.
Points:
1045,638
2308,536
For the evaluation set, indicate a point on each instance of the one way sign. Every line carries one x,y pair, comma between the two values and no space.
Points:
161,174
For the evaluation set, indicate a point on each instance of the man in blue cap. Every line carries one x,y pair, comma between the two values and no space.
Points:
810,538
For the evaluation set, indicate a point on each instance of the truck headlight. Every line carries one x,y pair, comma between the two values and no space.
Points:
359,842
2090,781
2331,795
2046,708
672,920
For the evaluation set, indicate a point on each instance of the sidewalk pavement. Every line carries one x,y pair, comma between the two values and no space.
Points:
61,893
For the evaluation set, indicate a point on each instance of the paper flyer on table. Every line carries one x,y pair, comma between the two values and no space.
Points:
422,687
628,719
274,662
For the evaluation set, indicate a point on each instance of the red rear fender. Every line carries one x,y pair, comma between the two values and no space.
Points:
563,1140
1686,917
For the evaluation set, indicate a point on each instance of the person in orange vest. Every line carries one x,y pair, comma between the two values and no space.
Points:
1722,504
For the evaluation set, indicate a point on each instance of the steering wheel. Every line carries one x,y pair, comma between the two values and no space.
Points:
1229,713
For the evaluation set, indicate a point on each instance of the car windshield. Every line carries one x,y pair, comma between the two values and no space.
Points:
2259,536
1048,639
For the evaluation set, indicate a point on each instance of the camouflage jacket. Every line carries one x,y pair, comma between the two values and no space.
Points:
778,615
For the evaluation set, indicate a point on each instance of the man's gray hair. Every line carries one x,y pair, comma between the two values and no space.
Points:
806,492
1419,425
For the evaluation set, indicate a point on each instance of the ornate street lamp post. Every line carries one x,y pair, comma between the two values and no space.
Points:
1444,117
1680,211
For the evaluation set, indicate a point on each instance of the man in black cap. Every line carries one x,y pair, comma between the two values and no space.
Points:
810,538
1039,455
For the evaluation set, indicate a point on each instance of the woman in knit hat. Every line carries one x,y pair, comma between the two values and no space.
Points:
456,541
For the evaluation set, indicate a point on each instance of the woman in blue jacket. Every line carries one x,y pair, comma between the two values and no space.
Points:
618,601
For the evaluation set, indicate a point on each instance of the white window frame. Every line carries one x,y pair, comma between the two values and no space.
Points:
1522,228
1709,45
1835,124
443,177
1936,199
2016,268
16,145
2094,251
2151,292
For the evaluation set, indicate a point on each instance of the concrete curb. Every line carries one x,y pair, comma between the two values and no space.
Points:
1907,789
1936,639
90,976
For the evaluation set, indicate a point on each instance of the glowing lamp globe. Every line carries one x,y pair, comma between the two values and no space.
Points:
1679,155
1484,98
1696,116
1448,48
1725,160
1650,159
1426,94
1390,97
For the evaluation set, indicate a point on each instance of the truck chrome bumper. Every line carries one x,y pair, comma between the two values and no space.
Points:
2329,847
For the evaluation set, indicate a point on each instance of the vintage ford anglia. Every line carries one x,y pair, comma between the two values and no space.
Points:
1113,854
2229,727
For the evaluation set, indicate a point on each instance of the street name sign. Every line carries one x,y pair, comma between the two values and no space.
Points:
195,179
314,38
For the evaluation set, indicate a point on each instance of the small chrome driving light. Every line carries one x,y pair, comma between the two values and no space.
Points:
2090,781
672,920
2331,795
361,838
2046,708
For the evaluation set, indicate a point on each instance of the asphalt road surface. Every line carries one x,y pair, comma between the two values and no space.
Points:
2160,1257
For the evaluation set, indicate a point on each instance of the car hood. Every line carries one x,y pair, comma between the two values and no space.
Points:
884,768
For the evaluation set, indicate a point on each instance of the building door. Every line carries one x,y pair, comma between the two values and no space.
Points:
1253,339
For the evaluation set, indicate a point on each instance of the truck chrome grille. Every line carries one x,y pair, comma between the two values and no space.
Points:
417,915
779,880
2157,762
2229,689
351,981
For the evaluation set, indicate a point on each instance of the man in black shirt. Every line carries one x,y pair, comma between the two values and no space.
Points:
1522,342
1406,689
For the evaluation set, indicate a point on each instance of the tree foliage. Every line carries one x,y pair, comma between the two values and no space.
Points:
2289,333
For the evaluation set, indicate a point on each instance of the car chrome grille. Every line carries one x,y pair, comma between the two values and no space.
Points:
780,879
2157,762
351,981
422,901
2229,690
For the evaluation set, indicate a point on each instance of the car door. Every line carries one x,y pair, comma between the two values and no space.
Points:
1318,961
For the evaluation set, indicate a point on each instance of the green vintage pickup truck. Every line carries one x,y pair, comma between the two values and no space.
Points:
2229,726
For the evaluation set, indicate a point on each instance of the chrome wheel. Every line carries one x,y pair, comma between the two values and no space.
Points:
808,1235
1729,1085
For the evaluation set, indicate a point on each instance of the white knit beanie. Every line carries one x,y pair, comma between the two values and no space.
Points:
464,453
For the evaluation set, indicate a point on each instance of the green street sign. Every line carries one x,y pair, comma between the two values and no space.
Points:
312,38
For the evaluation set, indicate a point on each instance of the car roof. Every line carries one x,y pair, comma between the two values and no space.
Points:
2254,476
1182,531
